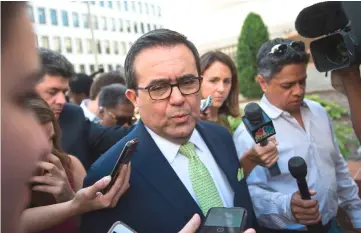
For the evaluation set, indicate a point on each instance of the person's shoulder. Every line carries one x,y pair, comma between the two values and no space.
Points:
315,107
211,126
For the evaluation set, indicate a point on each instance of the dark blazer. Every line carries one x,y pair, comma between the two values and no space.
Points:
84,139
157,201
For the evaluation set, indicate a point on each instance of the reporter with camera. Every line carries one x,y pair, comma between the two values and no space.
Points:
348,82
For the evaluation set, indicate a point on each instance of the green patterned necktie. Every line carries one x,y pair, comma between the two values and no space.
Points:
202,182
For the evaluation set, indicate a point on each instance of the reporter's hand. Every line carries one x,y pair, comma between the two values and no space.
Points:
306,212
206,116
341,77
55,181
265,156
193,225
90,198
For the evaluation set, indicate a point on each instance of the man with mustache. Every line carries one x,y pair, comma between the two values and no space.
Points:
303,128
181,165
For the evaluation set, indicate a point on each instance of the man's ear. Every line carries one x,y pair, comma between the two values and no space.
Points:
262,82
132,97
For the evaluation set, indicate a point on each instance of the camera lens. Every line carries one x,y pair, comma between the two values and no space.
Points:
337,52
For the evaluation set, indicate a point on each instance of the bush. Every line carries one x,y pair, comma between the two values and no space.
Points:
342,130
253,34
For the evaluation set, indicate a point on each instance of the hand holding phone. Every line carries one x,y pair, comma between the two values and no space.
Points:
123,158
227,220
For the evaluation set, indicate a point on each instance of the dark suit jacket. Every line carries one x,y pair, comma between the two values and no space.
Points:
157,201
84,139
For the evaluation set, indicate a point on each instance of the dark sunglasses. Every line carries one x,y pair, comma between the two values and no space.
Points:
281,49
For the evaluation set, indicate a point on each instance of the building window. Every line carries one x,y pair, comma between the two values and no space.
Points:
146,8
159,11
75,19
153,10
103,22
89,46
112,21
133,6
107,46
99,47
31,13
115,47
128,26
86,20
110,68
148,25
101,3
45,42
79,45
110,4
140,7
64,16
92,2
142,27
53,17
92,69
124,48
126,5
121,29
57,44
119,5
68,45
135,27
41,14
82,68
95,22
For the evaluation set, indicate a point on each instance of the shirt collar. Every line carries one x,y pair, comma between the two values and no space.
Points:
170,149
88,114
272,111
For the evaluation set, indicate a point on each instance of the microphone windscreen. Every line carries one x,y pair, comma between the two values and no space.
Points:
321,19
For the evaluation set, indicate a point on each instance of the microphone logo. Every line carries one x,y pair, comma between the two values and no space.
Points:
264,132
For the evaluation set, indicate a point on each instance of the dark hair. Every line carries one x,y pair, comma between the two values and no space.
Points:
269,65
230,106
112,95
81,84
105,80
54,63
159,37
9,12
44,115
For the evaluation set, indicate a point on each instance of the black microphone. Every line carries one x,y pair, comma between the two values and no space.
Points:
298,169
260,127
321,19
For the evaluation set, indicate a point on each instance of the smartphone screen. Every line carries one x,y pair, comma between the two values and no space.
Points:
123,158
205,104
227,220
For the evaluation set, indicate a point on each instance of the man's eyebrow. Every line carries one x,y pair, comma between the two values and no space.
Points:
158,80
186,76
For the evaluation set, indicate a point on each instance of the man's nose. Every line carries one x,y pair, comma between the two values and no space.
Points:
60,98
299,90
176,98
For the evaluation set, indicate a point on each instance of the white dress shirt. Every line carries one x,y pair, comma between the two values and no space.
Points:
88,114
179,163
327,172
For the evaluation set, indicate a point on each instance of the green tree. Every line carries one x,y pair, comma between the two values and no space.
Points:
254,33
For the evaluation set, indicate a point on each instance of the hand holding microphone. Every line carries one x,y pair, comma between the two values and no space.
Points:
261,128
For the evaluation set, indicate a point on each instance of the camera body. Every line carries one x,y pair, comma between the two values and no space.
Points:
336,25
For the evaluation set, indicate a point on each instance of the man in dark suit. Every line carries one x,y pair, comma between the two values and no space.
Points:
80,137
181,166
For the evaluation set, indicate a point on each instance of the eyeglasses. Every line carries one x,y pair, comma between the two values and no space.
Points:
161,91
122,120
281,49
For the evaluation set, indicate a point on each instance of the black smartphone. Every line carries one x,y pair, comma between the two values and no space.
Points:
226,220
205,104
124,158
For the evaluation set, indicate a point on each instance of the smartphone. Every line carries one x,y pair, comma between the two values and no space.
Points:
226,220
119,227
206,103
124,158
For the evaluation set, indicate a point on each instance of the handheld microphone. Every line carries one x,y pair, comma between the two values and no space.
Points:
260,127
298,169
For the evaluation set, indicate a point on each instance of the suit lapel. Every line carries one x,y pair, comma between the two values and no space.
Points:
151,164
227,164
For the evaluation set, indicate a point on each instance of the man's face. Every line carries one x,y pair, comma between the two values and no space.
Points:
52,89
122,115
23,139
173,118
286,89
